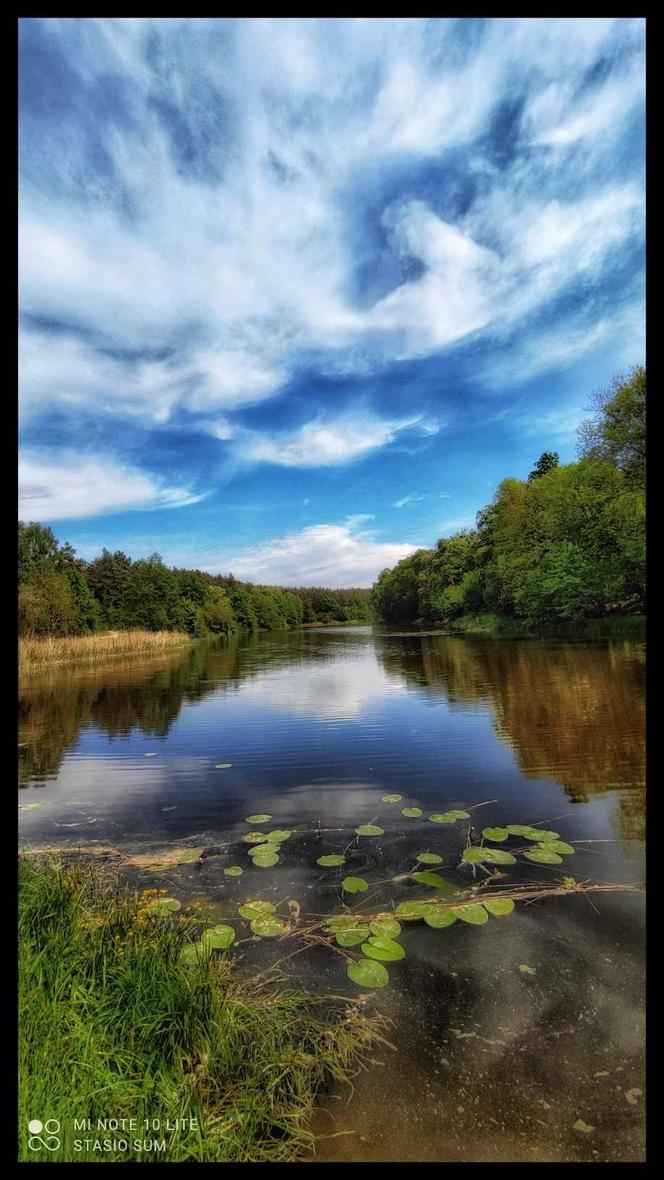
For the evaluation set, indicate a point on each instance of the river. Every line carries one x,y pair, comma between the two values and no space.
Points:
520,1040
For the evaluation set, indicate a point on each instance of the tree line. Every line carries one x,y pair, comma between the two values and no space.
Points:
568,543
61,594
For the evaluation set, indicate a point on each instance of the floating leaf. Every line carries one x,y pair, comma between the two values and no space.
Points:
233,871
29,806
384,925
495,856
429,858
448,817
352,936
558,846
543,836
525,830
266,860
278,835
542,856
496,834
498,906
165,905
334,858
433,879
189,855
475,914
254,837
369,830
354,885
254,909
267,926
439,918
218,937
340,922
411,911
411,812
257,819
385,949
368,973
392,798
223,765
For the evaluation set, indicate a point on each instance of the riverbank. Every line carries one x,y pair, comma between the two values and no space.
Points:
611,626
119,1021
69,649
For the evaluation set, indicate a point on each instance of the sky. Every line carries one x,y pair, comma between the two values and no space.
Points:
296,294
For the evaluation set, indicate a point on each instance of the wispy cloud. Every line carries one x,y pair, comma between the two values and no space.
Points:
322,443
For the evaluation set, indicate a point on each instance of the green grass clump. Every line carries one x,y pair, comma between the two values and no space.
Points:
115,1022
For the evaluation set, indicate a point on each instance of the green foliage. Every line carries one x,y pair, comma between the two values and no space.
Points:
566,544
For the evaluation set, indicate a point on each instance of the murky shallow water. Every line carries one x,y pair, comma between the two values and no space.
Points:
505,1034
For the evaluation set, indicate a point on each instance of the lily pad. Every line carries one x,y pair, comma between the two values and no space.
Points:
411,812
218,937
429,858
495,834
254,837
352,936
267,926
370,830
190,855
165,905
543,836
382,948
233,871
265,860
498,906
278,835
542,856
411,911
354,885
257,819
254,909
385,927
448,817
476,915
439,918
334,858
558,846
433,879
495,856
340,922
223,765
368,973
392,798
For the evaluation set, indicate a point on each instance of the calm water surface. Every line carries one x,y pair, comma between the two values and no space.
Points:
505,1034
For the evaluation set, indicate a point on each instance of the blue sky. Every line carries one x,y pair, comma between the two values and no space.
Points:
296,294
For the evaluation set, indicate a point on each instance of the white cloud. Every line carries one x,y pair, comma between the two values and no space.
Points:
321,555
322,443
67,485
411,498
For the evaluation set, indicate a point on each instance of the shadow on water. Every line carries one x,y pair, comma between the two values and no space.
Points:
508,1034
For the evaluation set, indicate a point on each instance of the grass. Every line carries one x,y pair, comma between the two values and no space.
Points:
611,626
39,653
115,1023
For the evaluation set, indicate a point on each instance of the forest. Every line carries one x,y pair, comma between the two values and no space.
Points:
61,594
566,544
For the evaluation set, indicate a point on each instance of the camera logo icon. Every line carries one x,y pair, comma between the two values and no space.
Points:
49,1129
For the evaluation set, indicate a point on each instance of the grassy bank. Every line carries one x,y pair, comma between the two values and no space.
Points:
618,626
116,1022
69,649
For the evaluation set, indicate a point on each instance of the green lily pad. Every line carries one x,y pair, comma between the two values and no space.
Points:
392,798
190,855
433,879
498,906
265,860
429,858
278,835
340,922
334,858
542,856
494,856
233,871
448,817
254,909
530,833
476,915
558,846
368,973
411,911
165,905
495,834
254,837
218,937
385,949
354,885
352,936
544,836
385,927
369,830
267,926
411,812
257,819
439,918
